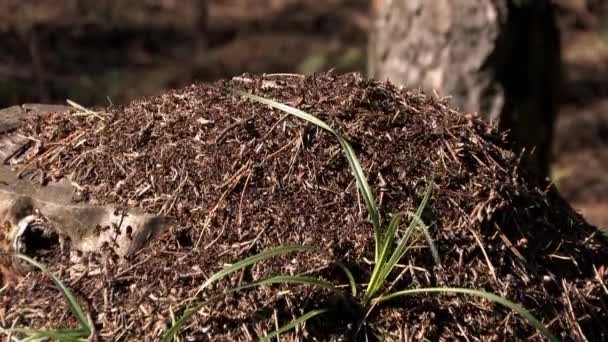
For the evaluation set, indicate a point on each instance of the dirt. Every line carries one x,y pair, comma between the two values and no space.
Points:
237,177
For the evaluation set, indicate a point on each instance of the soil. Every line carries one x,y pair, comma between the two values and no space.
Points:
237,177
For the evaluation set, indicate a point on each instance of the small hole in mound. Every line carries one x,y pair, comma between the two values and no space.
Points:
130,232
183,238
39,241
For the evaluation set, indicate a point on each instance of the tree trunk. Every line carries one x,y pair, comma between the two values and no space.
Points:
498,58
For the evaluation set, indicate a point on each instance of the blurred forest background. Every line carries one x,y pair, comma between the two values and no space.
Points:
108,52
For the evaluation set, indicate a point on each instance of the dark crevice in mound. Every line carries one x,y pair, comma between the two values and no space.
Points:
38,240
238,177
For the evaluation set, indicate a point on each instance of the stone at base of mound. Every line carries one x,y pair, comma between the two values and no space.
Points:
87,227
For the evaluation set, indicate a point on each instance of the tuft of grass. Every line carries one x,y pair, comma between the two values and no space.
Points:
170,334
68,335
389,249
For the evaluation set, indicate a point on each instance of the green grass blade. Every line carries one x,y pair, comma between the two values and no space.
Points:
42,335
170,334
34,339
429,240
353,161
406,240
478,293
73,304
403,246
425,228
288,109
388,239
293,324
287,279
366,193
351,279
254,259
177,326
66,332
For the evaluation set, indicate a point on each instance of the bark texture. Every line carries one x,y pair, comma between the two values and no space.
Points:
498,58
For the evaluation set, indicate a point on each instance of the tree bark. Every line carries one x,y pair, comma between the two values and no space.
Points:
498,58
